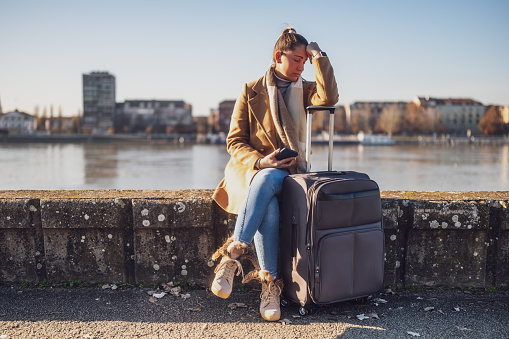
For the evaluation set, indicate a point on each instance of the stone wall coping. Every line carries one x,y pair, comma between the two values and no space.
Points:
207,194
198,194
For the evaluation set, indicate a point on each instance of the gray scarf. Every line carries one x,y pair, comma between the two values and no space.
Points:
289,116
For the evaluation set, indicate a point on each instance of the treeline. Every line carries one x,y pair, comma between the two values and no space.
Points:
408,119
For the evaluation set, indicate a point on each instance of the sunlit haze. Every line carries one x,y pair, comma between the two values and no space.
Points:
203,51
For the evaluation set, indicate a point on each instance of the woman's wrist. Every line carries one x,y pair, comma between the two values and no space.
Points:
258,164
316,53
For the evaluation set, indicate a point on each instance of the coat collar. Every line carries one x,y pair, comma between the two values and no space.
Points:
260,109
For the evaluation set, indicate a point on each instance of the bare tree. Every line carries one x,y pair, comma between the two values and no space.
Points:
390,120
59,119
41,121
50,128
492,122
359,123
418,120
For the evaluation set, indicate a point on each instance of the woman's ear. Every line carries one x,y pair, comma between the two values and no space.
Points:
278,57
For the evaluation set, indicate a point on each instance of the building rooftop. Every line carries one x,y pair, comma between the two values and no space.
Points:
454,101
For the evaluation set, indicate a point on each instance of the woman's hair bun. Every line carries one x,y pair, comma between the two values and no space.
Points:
289,30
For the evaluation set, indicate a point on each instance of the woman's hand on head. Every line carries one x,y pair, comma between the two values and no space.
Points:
312,49
270,161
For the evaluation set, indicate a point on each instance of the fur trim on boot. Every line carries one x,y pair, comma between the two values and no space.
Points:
231,246
223,250
253,274
225,271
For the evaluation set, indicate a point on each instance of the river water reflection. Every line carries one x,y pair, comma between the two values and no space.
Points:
169,166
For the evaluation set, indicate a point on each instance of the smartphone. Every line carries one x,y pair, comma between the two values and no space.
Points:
286,153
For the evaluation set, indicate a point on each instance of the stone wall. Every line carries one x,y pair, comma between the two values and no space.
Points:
455,239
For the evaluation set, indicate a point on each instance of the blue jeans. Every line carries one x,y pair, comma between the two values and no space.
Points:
258,218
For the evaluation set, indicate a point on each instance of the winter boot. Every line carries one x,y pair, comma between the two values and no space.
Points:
271,291
231,252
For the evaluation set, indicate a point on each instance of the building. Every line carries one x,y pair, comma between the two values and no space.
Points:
224,115
364,115
505,114
155,116
321,121
18,123
459,116
98,102
220,118
213,121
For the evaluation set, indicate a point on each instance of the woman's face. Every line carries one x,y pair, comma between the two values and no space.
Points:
290,65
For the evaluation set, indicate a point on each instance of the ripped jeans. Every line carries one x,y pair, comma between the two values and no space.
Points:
258,218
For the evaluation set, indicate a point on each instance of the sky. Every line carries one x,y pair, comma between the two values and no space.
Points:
203,52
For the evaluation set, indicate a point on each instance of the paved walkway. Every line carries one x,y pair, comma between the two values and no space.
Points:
132,313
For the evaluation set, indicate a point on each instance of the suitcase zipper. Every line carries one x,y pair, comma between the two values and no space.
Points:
317,274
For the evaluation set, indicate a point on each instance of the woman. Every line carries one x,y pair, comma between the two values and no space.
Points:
268,116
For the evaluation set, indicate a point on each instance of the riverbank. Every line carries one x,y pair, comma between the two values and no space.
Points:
82,138
206,139
452,140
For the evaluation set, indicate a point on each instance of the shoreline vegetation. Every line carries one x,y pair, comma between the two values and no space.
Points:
369,139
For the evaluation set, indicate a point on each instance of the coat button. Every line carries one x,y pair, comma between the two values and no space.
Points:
262,149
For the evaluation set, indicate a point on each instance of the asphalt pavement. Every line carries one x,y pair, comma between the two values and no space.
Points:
127,312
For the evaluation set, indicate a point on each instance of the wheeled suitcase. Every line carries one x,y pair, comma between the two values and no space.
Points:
331,233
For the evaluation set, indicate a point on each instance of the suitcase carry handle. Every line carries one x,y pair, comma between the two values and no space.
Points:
330,173
310,110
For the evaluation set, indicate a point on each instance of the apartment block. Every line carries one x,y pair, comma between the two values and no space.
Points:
98,101
157,116
456,115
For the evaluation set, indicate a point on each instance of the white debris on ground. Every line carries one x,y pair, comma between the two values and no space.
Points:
159,295
109,286
362,316
368,316
378,301
165,289
414,334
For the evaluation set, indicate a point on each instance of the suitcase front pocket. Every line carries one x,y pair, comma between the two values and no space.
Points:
349,264
347,209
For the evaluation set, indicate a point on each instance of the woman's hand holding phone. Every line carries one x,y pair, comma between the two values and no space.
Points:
272,161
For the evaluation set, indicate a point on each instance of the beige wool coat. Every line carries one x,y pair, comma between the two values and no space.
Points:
253,134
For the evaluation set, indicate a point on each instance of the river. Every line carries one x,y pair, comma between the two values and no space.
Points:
163,165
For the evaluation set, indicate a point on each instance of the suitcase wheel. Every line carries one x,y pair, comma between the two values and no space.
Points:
361,301
303,311
284,302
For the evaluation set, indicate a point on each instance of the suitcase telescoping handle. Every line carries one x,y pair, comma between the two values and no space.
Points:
310,110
